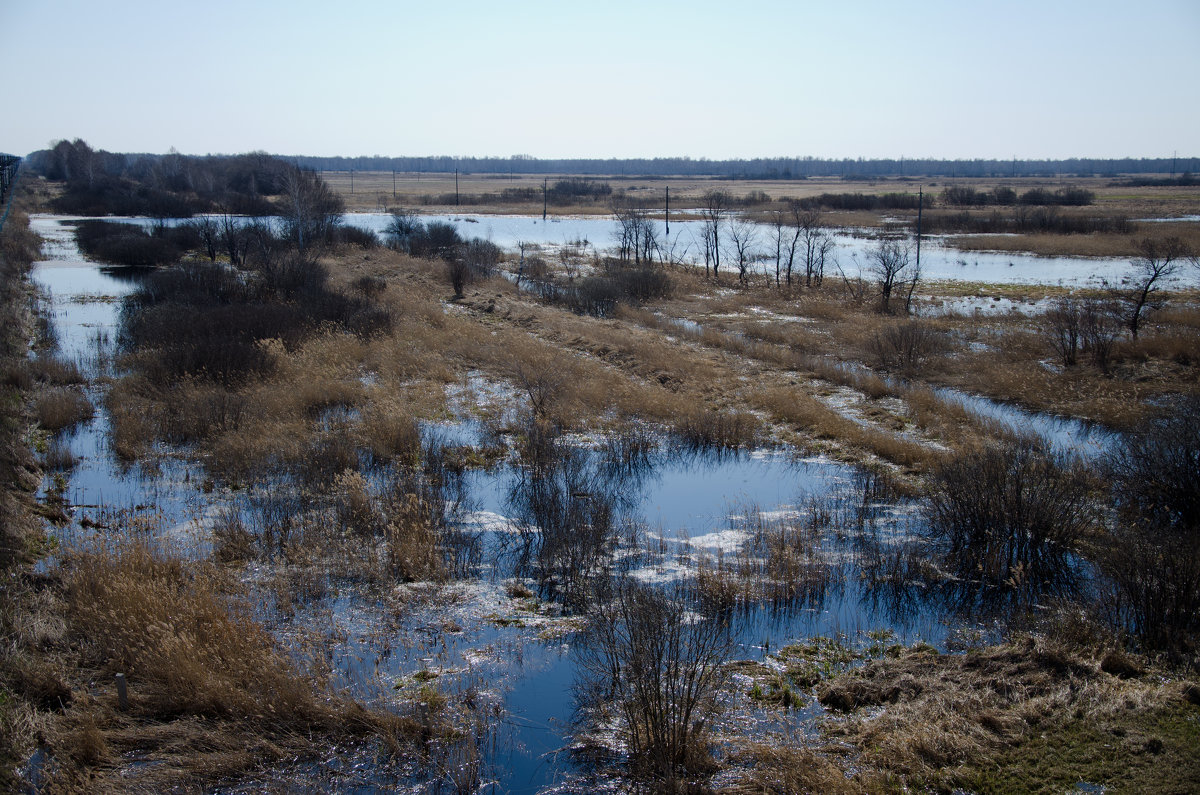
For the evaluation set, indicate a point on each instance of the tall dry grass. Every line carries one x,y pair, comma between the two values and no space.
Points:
211,695
58,408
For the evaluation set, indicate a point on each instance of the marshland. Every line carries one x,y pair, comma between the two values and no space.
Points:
388,486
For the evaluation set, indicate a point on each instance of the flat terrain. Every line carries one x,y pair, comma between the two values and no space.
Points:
435,193
306,553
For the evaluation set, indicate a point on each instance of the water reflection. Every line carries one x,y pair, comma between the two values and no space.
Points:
787,548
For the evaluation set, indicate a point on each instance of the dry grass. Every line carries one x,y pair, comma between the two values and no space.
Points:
771,768
58,408
210,693
53,369
954,720
799,409
1093,245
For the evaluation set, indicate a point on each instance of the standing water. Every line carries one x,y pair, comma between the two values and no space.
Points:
486,640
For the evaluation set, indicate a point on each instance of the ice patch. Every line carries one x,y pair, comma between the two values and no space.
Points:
720,541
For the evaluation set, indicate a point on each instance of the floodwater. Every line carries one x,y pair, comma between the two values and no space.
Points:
939,262
511,658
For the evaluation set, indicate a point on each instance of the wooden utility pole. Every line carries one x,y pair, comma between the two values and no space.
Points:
456,187
667,213
393,183
545,183
920,206
352,180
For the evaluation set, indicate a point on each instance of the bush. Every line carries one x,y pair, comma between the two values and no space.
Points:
1153,560
125,244
205,320
61,407
1009,519
905,347
353,236
660,669
434,240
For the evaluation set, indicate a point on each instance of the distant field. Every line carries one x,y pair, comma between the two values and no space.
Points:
522,194
373,189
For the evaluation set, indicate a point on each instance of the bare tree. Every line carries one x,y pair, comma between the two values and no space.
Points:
234,238
637,235
743,233
522,246
1159,260
713,212
816,245
310,210
890,264
778,237
1100,325
206,228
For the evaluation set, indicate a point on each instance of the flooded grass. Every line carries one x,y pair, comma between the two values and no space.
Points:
434,583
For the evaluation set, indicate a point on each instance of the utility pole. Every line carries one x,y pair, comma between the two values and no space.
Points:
352,180
667,214
1173,158
545,182
920,206
393,183
456,186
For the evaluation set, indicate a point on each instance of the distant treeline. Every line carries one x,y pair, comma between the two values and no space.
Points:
171,185
761,168
256,175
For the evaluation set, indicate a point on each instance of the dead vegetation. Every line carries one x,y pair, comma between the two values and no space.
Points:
977,720
318,425
210,695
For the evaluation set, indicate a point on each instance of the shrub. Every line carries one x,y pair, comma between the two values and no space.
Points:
435,240
354,236
207,321
1009,519
124,244
1062,328
1153,560
660,669
905,347
57,408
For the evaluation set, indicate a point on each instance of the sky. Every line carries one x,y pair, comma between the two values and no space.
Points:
1028,79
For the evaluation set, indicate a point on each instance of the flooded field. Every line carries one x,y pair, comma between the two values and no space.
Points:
939,261
500,636
466,585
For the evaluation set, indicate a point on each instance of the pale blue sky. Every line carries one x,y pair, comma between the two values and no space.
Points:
617,79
